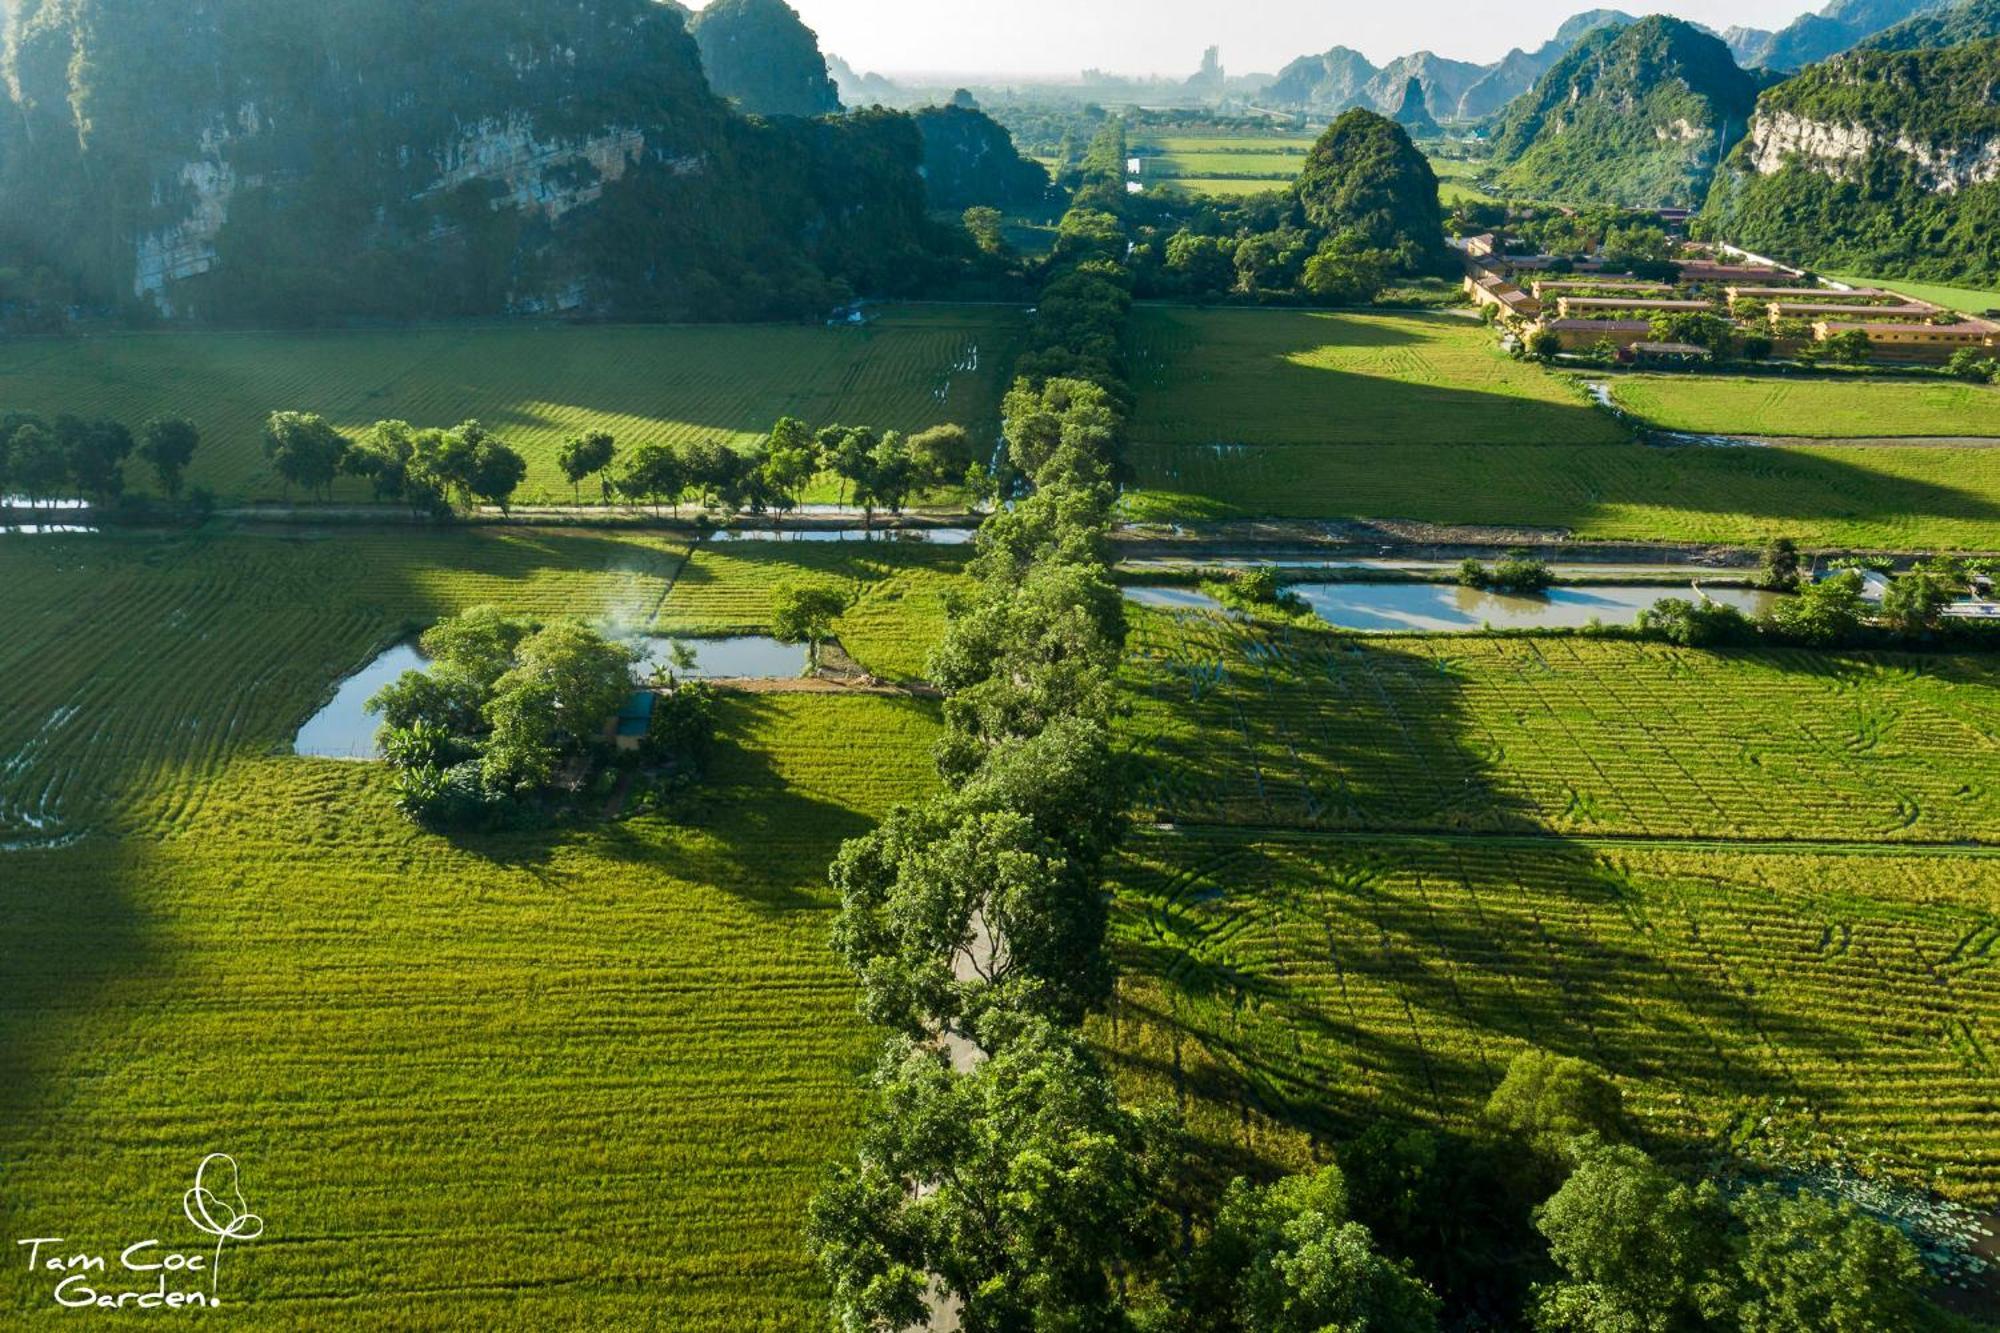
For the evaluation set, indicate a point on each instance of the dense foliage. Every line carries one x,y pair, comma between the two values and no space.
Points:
472,157
970,160
762,56
1814,37
1885,210
1367,186
1638,116
1964,21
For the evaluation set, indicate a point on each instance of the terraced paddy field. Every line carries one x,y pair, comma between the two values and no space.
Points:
459,1073
1288,414
1760,889
1297,727
1799,1008
1828,409
535,385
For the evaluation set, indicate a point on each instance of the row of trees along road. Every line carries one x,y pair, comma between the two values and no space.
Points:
70,458
999,1181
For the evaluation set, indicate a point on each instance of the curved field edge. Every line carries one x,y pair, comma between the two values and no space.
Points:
1790,1007
458,1072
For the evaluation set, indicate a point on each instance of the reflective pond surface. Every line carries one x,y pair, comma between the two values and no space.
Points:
744,657
1440,606
1443,607
343,729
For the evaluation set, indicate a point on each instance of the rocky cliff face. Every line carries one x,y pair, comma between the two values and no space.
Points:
1834,149
1879,161
264,160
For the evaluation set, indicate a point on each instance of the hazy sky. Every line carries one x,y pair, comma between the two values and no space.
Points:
1167,36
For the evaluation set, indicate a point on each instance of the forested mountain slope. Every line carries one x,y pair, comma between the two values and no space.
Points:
1640,115
762,56
244,160
1878,162
1966,21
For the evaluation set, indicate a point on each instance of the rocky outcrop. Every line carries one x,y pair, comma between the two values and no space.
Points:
1782,138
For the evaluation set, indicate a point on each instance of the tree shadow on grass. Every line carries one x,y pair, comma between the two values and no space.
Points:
1325,924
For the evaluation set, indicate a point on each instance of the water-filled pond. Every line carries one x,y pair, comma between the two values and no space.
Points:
917,536
1443,607
344,729
742,657
1172,599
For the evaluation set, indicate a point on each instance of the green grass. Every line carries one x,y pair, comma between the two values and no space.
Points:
1287,414
1971,300
1309,728
1271,377
1458,181
1889,498
1758,883
1784,1007
535,385
1813,408
582,1076
1226,166
898,590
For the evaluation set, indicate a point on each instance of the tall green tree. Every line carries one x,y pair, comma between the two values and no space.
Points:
1022,1190
168,444
586,455
804,611
304,450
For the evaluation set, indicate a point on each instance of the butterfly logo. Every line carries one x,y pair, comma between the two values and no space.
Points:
216,1207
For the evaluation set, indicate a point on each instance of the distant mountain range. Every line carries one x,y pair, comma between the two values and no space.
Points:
1811,38
1453,89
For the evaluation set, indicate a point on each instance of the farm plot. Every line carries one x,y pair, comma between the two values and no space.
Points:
1882,498
1217,379
1223,165
535,385
146,666
898,591
1302,728
1798,1007
581,1076
1811,408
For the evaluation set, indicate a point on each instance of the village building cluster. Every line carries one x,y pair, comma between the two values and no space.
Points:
1587,307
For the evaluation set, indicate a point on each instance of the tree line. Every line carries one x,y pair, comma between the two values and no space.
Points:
998,1173
70,458
444,472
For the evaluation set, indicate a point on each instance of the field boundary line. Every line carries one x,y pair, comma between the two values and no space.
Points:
1643,841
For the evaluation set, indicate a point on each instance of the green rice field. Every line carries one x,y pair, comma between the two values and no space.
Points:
573,1076
1288,414
1223,165
533,384
1803,1009
1276,377
1971,300
1758,889
1828,409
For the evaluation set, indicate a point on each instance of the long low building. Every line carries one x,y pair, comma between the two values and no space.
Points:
1579,335
1585,307
1929,343
1547,288
1912,313
1702,270
1857,296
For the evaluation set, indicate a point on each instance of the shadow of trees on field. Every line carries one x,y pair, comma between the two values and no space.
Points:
1353,915
1295,440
